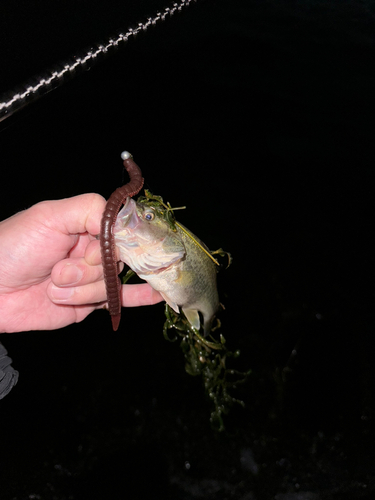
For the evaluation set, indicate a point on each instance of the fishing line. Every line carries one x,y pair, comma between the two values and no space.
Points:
36,87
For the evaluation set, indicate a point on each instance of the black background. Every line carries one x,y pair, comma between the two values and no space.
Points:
259,116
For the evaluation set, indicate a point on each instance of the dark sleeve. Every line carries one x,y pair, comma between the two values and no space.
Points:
8,375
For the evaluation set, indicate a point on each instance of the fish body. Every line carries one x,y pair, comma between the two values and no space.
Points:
170,258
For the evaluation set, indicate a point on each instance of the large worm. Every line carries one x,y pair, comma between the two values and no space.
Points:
107,243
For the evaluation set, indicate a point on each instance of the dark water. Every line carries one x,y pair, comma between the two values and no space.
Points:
259,116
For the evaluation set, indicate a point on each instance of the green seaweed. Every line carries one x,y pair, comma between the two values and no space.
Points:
207,358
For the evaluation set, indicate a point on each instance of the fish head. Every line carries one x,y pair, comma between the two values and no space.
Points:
145,238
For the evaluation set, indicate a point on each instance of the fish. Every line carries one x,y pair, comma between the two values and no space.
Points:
169,257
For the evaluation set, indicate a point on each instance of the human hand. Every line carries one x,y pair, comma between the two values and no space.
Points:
50,266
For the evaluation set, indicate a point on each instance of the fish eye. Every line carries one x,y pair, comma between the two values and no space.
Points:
149,216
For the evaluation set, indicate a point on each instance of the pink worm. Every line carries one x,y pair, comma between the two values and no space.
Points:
107,241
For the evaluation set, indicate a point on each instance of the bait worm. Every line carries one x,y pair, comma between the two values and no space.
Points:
107,242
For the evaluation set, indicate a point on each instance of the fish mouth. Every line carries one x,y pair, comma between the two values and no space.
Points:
127,219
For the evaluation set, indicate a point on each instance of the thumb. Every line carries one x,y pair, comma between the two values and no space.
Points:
73,215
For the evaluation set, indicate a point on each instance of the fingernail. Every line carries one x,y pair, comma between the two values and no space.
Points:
61,293
70,274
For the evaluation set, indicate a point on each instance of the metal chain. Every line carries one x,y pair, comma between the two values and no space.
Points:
38,86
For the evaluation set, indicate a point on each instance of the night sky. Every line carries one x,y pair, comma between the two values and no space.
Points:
259,117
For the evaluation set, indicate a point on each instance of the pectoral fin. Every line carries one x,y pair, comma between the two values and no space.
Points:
171,304
193,317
